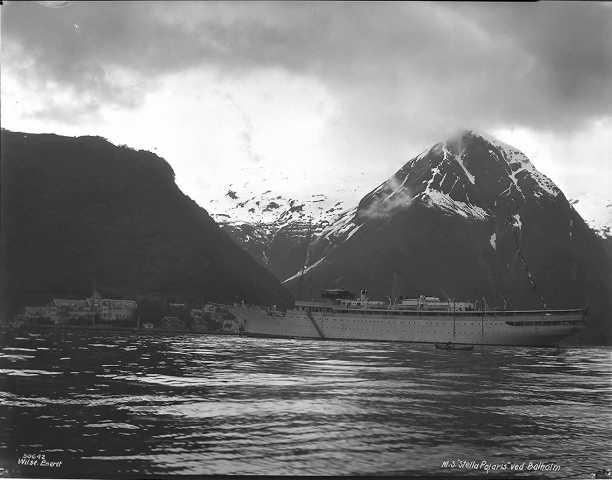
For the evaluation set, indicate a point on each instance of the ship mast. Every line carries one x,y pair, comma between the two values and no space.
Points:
393,288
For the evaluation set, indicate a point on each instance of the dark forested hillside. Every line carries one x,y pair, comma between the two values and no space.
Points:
81,212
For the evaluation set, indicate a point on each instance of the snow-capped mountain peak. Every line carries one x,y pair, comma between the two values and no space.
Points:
465,175
470,176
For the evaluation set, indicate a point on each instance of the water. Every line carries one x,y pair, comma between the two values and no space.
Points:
111,405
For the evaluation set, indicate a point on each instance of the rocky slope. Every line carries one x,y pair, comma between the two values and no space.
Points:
80,211
467,218
276,230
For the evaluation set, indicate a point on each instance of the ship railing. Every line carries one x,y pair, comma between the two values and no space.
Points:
458,313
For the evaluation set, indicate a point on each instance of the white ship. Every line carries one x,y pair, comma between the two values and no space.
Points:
424,319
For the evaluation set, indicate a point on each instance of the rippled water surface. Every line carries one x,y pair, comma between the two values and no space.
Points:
111,404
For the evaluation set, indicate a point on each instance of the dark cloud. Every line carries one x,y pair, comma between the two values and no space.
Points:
545,65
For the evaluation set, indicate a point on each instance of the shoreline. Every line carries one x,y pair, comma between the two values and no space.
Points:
109,329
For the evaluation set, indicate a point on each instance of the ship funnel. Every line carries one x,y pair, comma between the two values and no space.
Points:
364,296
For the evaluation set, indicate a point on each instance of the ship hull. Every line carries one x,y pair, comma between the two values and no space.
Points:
528,328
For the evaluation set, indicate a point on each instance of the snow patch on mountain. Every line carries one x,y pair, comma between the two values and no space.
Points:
449,206
452,150
274,210
257,221
304,271
435,198
341,228
458,158
434,173
353,231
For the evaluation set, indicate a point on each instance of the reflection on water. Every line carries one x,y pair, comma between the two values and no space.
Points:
122,404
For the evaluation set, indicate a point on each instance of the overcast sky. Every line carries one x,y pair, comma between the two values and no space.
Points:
308,98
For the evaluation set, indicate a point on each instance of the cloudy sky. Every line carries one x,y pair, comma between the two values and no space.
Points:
309,98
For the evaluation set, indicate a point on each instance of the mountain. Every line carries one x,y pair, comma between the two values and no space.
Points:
81,211
470,217
277,230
